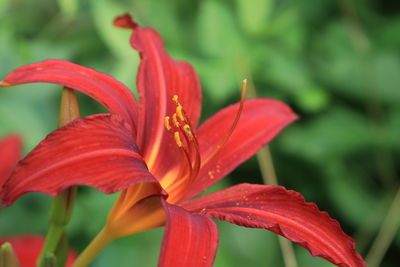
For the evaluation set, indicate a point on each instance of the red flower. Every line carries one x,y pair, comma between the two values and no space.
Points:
28,247
10,151
155,153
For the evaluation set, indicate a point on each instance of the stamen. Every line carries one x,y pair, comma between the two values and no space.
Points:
175,99
234,124
188,148
178,139
176,123
179,112
188,131
166,123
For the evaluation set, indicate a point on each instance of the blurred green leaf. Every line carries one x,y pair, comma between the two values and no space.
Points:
244,246
141,249
353,73
254,14
27,110
4,4
287,29
337,133
217,34
69,7
116,39
313,100
90,204
349,195
220,79
394,129
289,72
383,77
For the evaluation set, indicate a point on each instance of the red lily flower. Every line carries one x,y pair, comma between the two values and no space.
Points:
10,151
157,155
28,247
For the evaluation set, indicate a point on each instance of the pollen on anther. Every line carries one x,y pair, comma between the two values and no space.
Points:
175,99
166,123
188,130
178,139
175,121
179,112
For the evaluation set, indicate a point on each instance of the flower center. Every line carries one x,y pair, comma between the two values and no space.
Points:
179,125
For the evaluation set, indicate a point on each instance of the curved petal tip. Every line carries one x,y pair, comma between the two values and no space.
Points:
125,21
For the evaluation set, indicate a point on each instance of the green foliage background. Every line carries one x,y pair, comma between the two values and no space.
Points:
337,63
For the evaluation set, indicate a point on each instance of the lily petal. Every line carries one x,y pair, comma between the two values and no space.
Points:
106,90
10,151
259,122
97,151
159,78
189,239
28,248
284,212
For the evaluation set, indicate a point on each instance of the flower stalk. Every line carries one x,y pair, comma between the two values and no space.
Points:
268,174
102,239
62,205
389,228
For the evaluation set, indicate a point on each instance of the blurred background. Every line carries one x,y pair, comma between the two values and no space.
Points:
336,63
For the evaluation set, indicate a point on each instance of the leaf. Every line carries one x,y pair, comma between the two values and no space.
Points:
68,7
333,134
254,14
217,33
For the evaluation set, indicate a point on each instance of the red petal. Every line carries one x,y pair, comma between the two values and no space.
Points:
10,151
159,78
28,248
284,212
112,94
189,239
259,122
96,151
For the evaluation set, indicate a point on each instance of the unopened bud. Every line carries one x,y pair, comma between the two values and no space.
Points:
8,258
69,108
50,260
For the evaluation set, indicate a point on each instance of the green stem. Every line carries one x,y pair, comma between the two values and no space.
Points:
54,234
269,177
95,247
60,213
62,205
266,166
386,234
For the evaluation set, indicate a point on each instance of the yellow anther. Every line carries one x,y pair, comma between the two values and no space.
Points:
175,121
179,112
166,123
175,99
178,139
188,130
